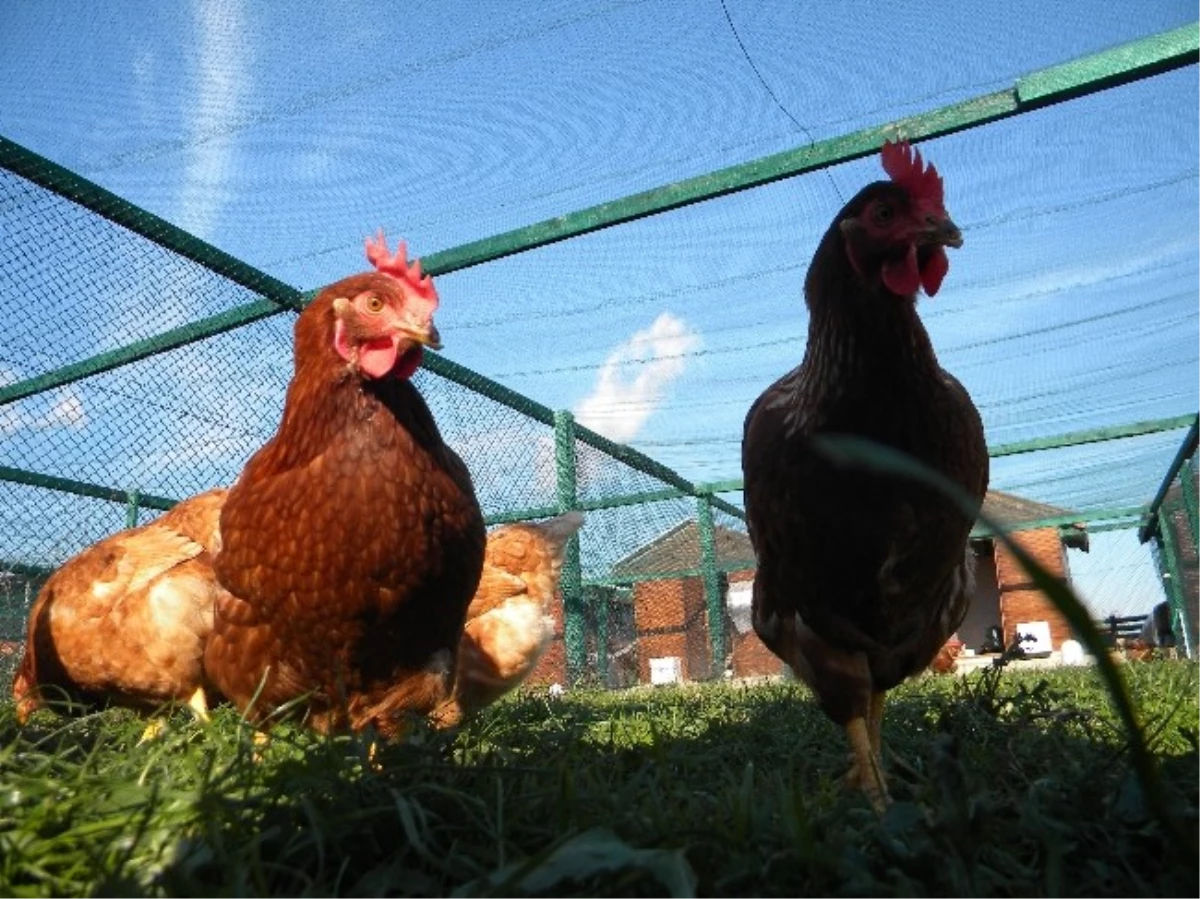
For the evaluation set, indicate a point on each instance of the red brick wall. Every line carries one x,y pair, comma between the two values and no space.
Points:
552,666
671,621
751,658
1020,600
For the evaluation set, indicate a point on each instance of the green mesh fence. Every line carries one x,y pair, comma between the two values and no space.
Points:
141,365
112,444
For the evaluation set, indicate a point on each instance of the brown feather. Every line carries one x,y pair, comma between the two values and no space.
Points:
125,620
508,625
353,543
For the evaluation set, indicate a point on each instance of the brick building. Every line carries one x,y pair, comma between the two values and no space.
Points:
1004,593
1189,569
670,613
672,618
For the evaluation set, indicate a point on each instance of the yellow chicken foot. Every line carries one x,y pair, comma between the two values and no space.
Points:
154,730
198,703
259,739
866,773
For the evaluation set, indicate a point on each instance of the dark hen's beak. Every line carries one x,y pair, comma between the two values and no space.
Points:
942,232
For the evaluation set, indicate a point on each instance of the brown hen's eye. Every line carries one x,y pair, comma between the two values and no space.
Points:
882,214
374,304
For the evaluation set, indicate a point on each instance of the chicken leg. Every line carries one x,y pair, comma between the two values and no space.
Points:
866,745
198,705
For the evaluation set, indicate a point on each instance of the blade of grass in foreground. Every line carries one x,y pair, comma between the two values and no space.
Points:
875,458
597,852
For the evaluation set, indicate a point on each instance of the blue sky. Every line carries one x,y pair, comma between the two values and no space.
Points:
285,133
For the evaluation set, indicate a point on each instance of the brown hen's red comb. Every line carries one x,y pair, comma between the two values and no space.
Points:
398,266
905,167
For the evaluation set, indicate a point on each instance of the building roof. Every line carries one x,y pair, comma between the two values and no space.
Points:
1011,510
679,550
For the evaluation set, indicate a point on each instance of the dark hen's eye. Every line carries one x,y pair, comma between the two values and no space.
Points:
374,304
882,214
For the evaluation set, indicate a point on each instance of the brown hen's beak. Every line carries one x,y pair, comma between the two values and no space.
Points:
943,233
427,336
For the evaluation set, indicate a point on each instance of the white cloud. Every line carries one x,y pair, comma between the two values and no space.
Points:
221,82
66,411
1089,274
12,419
635,377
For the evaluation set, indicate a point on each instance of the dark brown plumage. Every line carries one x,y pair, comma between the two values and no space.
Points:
353,540
861,579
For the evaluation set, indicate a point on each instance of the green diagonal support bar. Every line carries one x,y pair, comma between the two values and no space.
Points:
89,195
140,349
1100,71
639,460
1187,449
493,390
1090,74
1142,58
1093,435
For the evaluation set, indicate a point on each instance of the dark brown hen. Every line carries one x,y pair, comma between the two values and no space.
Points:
862,578
353,541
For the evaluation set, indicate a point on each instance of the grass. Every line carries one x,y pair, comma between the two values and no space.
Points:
1006,783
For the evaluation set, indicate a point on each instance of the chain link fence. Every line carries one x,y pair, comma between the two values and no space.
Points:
155,376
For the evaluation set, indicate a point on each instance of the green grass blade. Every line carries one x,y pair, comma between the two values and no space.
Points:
875,458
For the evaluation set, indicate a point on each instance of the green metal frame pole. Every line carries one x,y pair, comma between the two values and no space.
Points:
131,509
1187,449
571,581
712,583
1192,515
1187,483
601,598
1168,545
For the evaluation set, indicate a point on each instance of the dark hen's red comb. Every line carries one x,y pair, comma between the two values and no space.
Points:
398,266
905,167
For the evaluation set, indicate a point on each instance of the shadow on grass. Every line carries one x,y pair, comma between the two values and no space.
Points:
1015,786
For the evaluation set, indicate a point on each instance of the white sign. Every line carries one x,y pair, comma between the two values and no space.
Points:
666,670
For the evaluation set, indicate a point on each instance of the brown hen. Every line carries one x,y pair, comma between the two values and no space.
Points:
353,541
125,620
861,578
508,626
